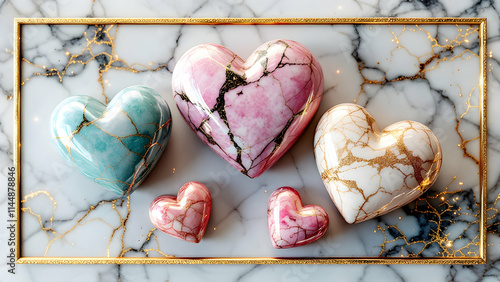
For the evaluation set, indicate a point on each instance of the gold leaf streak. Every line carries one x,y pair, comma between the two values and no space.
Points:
97,39
157,244
39,218
443,241
423,65
457,128
81,221
426,67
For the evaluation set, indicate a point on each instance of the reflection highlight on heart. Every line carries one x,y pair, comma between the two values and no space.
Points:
369,172
116,145
249,112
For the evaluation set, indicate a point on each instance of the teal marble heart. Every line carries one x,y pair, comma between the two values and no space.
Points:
116,145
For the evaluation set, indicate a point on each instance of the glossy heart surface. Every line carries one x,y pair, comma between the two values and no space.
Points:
185,216
249,112
292,225
116,145
369,172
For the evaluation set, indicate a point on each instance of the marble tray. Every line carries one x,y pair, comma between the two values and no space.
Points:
429,70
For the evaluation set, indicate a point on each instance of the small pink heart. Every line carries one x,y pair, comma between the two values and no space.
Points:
249,112
185,217
290,224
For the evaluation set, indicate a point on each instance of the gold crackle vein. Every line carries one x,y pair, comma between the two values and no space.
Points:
109,34
437,235
440,239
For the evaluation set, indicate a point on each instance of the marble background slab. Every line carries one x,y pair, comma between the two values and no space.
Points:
424,73
222,177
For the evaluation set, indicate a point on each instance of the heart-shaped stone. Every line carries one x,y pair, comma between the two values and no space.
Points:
185,217
369,172
250,113
290,224
117,145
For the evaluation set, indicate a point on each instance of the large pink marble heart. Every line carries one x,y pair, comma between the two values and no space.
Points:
249,112
290,224
185,217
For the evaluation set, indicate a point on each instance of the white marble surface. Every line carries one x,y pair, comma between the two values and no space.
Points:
58,198
235,216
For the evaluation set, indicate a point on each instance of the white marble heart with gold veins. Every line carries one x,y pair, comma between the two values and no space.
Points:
369,172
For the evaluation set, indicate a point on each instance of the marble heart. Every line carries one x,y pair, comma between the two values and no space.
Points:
185,216
249,112
290,224
369,172
116,145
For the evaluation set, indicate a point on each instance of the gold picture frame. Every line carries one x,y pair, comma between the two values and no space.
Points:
481,22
